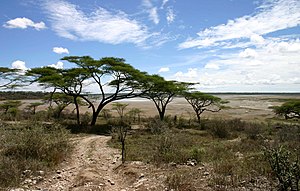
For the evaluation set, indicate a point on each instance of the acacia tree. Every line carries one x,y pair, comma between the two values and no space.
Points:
68,81
61,100
120,108
203,102
162,92
289,109
33,106
9,78
10,104
123,80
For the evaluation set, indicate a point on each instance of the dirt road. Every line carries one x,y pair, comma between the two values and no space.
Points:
94,166
91,167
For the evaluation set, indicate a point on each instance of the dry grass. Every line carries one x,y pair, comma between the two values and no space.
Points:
31,147
232,148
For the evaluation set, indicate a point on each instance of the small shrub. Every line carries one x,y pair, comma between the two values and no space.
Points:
197,154
120,130
220,131
179,181
156,126
253,130
85,118
285,167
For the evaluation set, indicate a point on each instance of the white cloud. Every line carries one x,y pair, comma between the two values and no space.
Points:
190,76
101,25
212,66
289,47
170,16
164,69
164,2
60,50
20,65
257,39
151,10
271,16
58,65
24,23
272,66
154,15
248,53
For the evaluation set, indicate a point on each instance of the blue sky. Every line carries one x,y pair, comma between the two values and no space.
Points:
225,45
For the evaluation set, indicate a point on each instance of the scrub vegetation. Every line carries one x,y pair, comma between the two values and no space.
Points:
216,153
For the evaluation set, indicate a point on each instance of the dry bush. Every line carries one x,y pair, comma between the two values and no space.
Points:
180,180
30,147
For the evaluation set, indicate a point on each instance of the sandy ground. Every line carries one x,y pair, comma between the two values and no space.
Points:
247,107
94,166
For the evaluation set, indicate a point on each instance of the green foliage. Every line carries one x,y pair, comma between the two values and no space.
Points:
126,81
162,92
10,104
203,102
10,109
10,78
290,109
61,100
285,166
33,106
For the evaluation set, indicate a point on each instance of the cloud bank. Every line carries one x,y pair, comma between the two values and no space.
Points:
270,17
104,26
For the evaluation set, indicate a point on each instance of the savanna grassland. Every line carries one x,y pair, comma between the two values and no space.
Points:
244,146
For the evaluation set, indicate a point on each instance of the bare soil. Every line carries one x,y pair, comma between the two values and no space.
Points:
96,166
244,106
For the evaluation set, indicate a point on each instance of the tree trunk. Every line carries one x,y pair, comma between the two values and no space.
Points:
94,118
162,113
77,111
123,151
95,114
199,119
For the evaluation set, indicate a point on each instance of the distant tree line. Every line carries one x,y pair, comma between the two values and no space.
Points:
18,95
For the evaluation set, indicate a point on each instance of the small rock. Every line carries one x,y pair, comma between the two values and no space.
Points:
141,176
239,155
40,172
27,181
201,168
26,172
191,162
111,182
206,173
58,171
